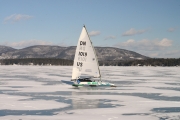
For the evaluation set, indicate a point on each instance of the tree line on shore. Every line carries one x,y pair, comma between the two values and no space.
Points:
147,62
36,61
57,61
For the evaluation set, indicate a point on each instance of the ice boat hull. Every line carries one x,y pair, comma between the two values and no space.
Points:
93,84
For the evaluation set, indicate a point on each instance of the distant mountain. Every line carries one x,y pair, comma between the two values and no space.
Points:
4,49
47,51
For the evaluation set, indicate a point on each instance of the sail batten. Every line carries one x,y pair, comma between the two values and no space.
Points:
85,60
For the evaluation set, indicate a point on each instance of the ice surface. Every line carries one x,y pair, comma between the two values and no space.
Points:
45,93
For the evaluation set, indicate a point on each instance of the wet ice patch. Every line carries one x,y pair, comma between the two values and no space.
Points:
9,102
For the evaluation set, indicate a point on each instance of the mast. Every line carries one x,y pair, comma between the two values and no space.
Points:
94,52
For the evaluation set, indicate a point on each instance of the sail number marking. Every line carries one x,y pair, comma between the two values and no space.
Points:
80,64
82,42
83,54
82,45
81,58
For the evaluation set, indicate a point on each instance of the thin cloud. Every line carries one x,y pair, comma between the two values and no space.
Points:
171,29
165,42
62,44
171,53
22,44
153,48
154,55
94,33
110,37
16,18
132,31
145,44
166,54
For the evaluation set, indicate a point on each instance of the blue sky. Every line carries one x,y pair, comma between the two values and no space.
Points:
149,27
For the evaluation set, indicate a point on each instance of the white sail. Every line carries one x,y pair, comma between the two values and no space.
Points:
85,60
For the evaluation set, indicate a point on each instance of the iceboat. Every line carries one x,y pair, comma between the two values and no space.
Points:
86,70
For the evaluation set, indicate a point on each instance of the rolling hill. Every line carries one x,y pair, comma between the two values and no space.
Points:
47,51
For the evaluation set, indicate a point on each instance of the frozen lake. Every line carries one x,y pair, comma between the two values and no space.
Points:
45,93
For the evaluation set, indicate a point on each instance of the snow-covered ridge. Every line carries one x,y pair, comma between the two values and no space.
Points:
47,51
